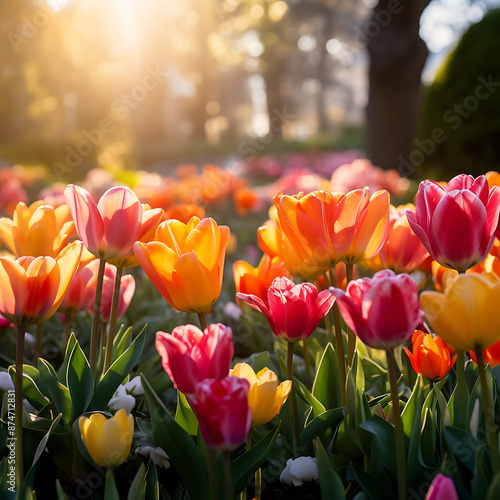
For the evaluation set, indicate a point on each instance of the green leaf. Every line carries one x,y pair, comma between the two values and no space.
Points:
152,485
327,420
494,488
427,454
110,490
178,445
43,443
329,481
60,492
246,465
58,393
464,444
325,387
413,408
80,380
138,487
117,373
371,485
378,434
30,390
184,415
63,369
121,341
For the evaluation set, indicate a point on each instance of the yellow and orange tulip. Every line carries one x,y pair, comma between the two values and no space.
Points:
34,287
37,230
466,315
185,262
265,397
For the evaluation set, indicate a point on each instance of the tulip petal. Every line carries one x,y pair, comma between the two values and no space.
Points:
13,294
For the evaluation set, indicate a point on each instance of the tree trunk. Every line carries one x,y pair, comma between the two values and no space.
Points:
397,57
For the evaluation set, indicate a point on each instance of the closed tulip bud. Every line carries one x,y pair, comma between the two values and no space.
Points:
223,413
294,311
190,355
265,397
442,488
456,223
431,357
108,440
383,311
466,315
186,262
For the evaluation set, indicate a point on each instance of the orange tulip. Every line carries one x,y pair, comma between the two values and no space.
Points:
33,287
491,355
37,230
185,262
431,357
257,280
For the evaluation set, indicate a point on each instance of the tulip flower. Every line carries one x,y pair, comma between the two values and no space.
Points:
442,488
265,397
402,252
190,355
127,289
108,440
223,413
491,355
456,223
81,290
34,287
431,357
185,262
294,311
257,280
466,314
37,230
382,311
110,227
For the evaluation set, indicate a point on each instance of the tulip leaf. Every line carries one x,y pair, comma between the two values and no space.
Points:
122,339
43,443
30,390
152,485
325,387
247,464
117,372
379,435
329,481
464,444
58,393
327,420
413,408
110,490
80,380
60,492
184,415
178,445
494,488
371,485
138,487
63,369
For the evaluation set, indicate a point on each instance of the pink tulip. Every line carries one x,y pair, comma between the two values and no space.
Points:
190,355
294,311
221,407
127,289
109,228
383,311
457,223
81,290
442,488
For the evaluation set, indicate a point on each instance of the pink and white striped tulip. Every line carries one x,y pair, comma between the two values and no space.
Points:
383,311
456,223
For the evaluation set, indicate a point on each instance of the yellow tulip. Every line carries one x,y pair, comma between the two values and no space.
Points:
466,315
265,397
37,230
108,441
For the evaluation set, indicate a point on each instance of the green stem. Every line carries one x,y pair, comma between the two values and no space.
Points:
203,321
68,318
212,473
112,318
398,427
339,342
461,396
248,446
18,406
39,340
294,412
94,336
228,476
331,336
307,356
351,338
489,416
258,483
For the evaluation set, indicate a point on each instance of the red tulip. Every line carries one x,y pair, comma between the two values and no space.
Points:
294,311
109,228
382,311
442,488
456,223
221,407
190,355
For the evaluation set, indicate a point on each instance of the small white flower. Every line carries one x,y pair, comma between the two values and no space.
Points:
232,310
299,471
157,455
6,383
134,386
122,400
29,341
